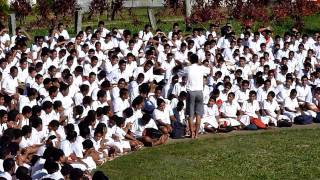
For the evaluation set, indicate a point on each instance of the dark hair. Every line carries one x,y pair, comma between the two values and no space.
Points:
35,121
8,164
53,89
56,154
87,144
119,121
272,94
47,105
128,112
138,100
26,130
123,91
101,94
160,101
57,104
76,174
66,169
26,110
51,166
22,173
72,135
194,59
99,175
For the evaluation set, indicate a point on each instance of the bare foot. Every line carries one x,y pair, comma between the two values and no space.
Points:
164,138
193,135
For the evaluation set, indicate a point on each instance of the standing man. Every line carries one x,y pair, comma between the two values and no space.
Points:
194,73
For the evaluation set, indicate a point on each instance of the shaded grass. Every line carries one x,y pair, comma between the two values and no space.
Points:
288,154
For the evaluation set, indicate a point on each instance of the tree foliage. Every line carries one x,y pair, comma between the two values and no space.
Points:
98,7
63,8
208,10
174,7
22,8
248,12
4,9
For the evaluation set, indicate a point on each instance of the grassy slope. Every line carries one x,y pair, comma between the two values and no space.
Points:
289,153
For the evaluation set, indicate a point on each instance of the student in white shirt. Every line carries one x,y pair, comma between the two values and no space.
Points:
9,167
101,100
140,127
124,136
250,108
121,73
271,109
291,106
10,83
303,89
179,87
163,116
121,103
62,32
312,106
146,34
210,117
146,70
195,74
229,110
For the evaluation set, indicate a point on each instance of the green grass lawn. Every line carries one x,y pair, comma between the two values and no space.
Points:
271,154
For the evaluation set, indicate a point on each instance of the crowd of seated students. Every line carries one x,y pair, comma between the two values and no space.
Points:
69,104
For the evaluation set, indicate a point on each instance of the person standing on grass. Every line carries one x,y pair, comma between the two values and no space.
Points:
194,73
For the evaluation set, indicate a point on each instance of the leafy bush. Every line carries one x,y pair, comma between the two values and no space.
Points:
173,7
97,7
4,11
251,11
208,10
63,8
22,8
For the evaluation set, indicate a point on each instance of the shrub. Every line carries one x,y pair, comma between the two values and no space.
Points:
208,10
22,8
4,11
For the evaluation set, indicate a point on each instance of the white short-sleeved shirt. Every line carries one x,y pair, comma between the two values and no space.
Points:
9,85
262,94
116,74
145,36
148,76
66,147
291,104
250,108
138,129
271,106
211,111
195,75
56,176
25,142
283,92
181,56
302,92
119,105
242,96
6,175
230,109
120,133
25,101
163,116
